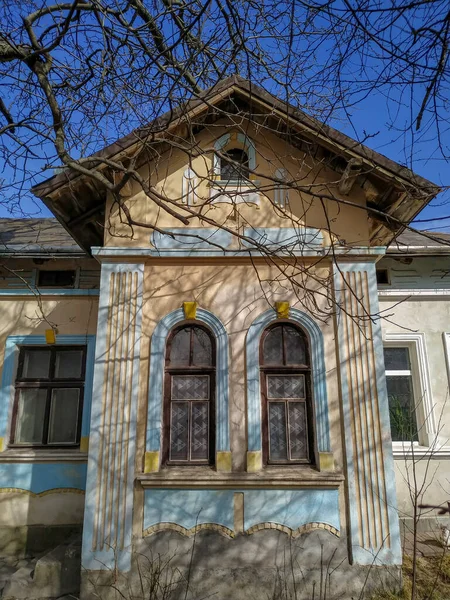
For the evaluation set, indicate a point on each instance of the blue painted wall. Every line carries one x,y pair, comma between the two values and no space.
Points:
290,507
40,477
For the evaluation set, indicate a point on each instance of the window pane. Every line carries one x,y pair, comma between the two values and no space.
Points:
277,431
231,172
180,348
199,430
286,386
298,433
396,359
30,416
64,416
190,387
202,351
179,414
295,345
69,364
36,364
273,347
401,408
56,278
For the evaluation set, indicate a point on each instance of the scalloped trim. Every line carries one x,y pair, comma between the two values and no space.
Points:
225,531
40,494
294,533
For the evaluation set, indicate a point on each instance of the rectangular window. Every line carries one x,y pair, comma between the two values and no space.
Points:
49,396
400,389
56,279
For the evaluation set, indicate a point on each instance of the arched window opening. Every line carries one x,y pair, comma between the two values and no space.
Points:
286,395
189,396
234,172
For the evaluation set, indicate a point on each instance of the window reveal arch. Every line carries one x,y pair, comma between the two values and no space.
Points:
285,370
189,396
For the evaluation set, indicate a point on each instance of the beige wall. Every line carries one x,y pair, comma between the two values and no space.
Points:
346,222
430,317
231,290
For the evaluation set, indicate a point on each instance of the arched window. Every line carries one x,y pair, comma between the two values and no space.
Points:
286,395
189,396
234,172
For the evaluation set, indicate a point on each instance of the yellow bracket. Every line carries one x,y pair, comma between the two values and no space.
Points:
190,310
282,309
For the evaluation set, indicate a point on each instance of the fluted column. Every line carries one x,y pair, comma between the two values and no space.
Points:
109,489
371,492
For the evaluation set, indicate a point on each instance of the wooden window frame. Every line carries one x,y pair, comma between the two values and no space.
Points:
49,383
292,369
171,370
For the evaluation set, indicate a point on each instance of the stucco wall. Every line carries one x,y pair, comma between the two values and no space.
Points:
36,490
233,293
431,317
346,222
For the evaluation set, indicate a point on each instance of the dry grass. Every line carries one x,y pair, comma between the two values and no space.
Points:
433,580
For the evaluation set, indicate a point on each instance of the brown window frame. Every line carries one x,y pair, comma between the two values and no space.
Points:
284,369
49,383
171,370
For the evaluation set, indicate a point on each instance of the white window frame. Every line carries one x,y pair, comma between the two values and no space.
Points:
426,425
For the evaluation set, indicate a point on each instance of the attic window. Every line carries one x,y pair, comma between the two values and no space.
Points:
230,171
56,279
383,277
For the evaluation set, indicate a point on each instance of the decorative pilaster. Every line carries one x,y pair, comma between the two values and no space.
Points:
109,487
373,518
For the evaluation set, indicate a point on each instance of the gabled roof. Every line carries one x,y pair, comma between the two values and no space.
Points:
396,193
36,237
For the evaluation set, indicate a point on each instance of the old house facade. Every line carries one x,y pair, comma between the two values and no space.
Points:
222,384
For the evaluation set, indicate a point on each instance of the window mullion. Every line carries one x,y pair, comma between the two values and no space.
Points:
47,416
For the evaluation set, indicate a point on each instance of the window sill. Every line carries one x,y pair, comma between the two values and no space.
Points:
42,455
206,477
404,450
244,183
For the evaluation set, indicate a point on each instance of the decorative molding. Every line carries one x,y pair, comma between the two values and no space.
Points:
7,389
224,461
241,140
254,461
281,192
191,238
286,240
421,381
22,455
406,452
282,309
190,310
229,533
189,186
155,394
413,293
38,292
130,255
151,462
373,519
294,533
109,490
318,377
225,531
326,461
41,494
284,478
